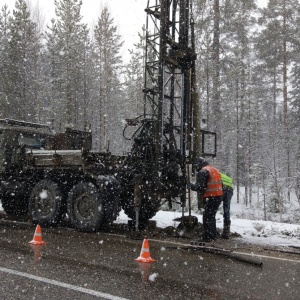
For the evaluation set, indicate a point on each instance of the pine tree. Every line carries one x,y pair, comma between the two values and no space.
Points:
295,108
108,61
20,82
66,42
4,37
236,71
279,20
134,79
224,47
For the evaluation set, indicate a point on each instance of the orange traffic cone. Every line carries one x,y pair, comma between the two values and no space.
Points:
37,238
145,253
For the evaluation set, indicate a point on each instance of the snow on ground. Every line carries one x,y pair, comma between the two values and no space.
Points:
253,231
252,228
247,222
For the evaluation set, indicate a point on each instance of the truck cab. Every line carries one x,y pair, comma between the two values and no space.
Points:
15,137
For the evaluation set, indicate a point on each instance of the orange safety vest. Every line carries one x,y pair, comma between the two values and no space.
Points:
214,184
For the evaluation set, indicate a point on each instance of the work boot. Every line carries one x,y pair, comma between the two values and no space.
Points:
226,230
205,239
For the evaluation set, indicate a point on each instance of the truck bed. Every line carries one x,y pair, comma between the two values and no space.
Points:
55,158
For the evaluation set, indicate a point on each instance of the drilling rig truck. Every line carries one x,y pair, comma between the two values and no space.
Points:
49,176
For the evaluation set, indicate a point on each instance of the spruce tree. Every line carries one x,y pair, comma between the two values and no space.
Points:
108,62
275,49
20,78
4,37
66,42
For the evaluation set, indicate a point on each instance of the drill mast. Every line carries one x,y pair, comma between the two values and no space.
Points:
169,64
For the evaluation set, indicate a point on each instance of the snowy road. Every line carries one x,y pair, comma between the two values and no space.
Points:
75,265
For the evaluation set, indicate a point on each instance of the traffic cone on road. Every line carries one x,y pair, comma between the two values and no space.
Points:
37,238
145,253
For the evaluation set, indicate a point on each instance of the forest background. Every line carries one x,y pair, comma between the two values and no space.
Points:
248,63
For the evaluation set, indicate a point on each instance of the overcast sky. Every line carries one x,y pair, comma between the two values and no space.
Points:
129,15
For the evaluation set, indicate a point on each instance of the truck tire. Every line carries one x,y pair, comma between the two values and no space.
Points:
15,206
84,207
46,203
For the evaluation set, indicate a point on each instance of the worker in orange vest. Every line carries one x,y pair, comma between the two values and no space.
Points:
209,186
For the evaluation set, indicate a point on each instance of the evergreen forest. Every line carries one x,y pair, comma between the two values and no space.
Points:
66,74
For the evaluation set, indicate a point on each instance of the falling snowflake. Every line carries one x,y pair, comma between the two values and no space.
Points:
153,276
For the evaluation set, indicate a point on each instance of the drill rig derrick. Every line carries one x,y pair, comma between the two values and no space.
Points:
163,145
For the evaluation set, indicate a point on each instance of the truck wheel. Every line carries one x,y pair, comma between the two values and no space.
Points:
85,207
46,203
15,206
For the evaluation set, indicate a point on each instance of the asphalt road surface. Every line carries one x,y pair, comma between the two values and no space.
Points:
76,265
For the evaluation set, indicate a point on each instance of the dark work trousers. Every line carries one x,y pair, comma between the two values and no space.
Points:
227,195
211,206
